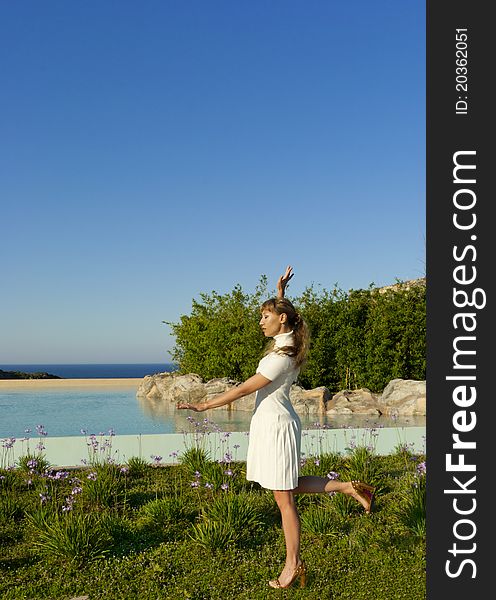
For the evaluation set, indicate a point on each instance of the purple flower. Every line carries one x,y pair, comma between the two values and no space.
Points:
224,486
125,470
69,501
194,484
209,485
91,476
316,462
228,472
421,468
332,475
156,459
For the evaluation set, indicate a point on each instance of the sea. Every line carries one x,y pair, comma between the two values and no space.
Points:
65,411
95,371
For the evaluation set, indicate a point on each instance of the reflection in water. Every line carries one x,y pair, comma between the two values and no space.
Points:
239,420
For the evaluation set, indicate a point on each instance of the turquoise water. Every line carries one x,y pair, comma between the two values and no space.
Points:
67,411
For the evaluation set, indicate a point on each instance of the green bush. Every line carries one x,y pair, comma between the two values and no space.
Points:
137,466
162,511
104,486
412,509
227,519
221,337
363,338
318,519
73,537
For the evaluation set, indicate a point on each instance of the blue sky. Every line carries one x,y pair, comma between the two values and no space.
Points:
153,151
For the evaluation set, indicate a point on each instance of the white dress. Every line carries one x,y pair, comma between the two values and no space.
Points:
273,458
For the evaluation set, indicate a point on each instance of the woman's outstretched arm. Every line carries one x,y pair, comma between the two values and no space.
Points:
254,383
282,282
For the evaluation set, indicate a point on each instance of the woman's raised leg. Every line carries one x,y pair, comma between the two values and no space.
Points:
311,484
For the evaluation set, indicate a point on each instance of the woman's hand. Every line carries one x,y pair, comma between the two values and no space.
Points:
199,407
283,281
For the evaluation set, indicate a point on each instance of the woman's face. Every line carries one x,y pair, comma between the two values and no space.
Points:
271,323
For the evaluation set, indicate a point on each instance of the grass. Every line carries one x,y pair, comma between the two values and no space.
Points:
199,530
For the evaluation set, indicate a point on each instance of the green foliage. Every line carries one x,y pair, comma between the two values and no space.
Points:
11,507
412,511
33,463
213,535
104,486
144,550
227,519
221,337
319,520
362,465
363,338
137,466
73,537
194,459
162,511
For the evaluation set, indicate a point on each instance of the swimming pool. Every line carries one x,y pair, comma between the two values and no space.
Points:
67,410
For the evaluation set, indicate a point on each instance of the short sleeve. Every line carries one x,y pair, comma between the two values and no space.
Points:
273,365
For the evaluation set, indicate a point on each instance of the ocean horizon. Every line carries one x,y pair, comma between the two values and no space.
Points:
93,370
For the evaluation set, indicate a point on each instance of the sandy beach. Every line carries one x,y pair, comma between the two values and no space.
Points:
33,384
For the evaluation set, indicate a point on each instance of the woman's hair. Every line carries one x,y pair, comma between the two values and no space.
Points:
300,329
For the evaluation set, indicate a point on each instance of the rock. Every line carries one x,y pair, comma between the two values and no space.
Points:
400,397
309,401
217,386
171,388
404,397
348,402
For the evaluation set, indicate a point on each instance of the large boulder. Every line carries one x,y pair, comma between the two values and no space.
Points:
171,387
404,397
309,402
348,402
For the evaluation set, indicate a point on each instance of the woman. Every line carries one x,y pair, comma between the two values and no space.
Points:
273,458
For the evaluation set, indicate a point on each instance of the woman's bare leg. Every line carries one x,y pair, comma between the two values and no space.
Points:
291,528
311,484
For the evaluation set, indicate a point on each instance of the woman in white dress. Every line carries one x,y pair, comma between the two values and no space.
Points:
273,458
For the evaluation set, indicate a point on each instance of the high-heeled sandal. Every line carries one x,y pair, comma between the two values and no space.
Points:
300,571
366,492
